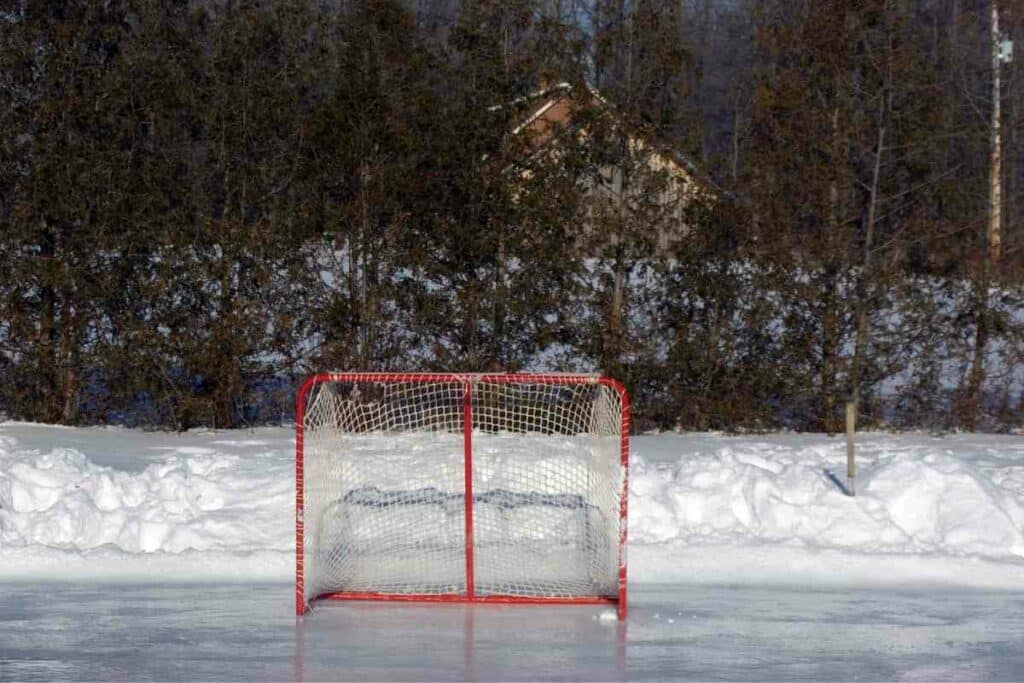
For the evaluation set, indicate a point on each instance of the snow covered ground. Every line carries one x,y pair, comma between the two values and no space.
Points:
127,554
704,508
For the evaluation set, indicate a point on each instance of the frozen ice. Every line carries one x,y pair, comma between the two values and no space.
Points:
227,631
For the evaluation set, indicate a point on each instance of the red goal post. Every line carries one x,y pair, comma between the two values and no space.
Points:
536,513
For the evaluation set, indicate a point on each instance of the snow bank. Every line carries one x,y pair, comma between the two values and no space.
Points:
703,508
192,499
919,501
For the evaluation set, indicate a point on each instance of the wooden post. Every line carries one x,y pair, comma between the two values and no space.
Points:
851,427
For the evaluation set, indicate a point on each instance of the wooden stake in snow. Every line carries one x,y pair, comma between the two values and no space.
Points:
851,427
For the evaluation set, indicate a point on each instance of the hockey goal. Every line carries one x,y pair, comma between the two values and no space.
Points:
461,488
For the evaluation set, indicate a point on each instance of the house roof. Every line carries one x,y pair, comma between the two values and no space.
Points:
548,112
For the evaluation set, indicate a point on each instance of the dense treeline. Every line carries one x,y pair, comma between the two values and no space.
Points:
201,202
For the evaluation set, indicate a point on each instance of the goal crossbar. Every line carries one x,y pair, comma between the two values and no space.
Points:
421,500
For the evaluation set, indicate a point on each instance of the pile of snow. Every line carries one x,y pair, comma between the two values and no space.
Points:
918,499
941,510
188,502
212,505
703,507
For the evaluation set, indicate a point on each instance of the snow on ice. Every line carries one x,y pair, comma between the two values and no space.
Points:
704,508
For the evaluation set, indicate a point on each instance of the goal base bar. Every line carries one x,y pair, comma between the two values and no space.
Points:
477,599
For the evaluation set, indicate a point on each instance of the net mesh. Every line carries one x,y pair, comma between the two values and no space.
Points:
385,495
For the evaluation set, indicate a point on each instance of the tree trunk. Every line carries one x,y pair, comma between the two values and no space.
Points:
618,297
976,376
500,297
993,244
995,204
617,301
365,351
48,333
1014,125
865,281
70,334
226,372
735,162
829,350
830,299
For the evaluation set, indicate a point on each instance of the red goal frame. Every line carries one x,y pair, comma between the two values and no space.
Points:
467,380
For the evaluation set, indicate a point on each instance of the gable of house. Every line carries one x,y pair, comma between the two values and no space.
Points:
549,115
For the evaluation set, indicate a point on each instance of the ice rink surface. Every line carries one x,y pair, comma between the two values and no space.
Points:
89,631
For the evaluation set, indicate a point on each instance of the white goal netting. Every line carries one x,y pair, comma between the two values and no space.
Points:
384,484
